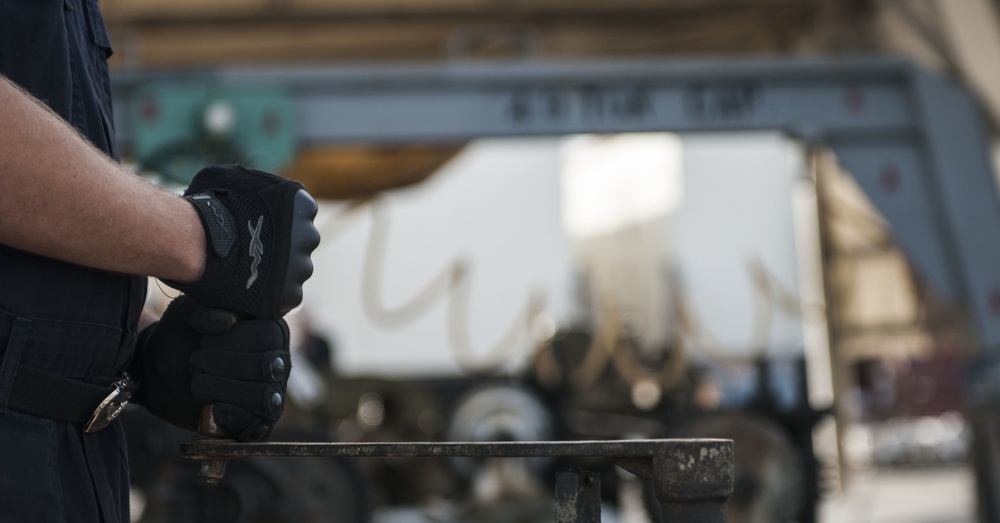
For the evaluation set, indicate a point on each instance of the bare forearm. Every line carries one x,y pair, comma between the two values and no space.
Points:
62,198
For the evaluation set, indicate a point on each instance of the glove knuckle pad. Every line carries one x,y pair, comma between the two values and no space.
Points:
264,400
275,366
249,336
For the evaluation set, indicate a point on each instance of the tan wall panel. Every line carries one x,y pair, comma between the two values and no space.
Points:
974,33
124,10
263,42
377,6
129,9
206,45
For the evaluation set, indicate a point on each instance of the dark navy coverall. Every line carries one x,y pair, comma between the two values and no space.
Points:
68,319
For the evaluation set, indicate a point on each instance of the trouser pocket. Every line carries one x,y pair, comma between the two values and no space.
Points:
12,358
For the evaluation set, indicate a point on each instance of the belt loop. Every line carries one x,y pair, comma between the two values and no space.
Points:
12,358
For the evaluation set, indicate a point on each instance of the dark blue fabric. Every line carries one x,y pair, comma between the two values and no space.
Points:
83,320
54,478
57,50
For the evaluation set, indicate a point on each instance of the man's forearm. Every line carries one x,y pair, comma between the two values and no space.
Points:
62,198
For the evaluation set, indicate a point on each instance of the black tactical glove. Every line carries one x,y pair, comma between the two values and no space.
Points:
260,234
197,355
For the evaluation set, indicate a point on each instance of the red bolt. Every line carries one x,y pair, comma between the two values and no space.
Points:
854,99
890,179
150,110
995,301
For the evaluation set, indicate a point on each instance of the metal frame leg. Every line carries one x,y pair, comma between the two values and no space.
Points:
578,496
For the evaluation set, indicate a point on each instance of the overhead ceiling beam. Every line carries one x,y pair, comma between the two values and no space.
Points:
202,44
197,11
297,31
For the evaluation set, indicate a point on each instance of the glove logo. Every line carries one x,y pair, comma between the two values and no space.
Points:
218,218
256,249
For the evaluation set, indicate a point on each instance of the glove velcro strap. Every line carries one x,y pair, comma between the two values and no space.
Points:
217,222
264,366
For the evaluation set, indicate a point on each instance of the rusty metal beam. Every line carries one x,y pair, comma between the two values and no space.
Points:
612,449
692,478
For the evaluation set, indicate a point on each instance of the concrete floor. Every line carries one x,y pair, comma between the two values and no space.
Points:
933,495
928,495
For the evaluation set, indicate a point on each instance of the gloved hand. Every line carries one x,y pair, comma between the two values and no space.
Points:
260,235
197,354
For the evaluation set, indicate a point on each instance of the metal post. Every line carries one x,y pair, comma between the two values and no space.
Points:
578,496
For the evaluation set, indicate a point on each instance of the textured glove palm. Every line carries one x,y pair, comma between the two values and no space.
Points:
196,355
